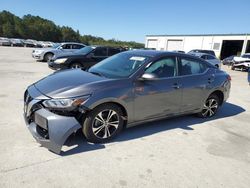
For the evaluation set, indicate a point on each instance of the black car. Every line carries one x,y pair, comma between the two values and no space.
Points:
83,58
211,52
228,60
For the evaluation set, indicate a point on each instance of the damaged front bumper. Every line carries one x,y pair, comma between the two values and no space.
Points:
51,130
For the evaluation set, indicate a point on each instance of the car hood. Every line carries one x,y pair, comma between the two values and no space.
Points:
69,83
68,55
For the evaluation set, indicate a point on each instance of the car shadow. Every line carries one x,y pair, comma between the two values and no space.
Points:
187,122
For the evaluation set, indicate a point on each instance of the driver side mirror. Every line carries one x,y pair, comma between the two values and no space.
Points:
60,48
148,76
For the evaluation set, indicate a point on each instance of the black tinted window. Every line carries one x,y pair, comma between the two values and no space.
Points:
101,52
113,51
190,66
163,68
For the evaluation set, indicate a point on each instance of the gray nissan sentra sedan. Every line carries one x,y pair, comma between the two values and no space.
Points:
126,89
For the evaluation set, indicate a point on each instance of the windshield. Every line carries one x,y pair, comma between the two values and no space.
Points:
119,66
85,50
56,45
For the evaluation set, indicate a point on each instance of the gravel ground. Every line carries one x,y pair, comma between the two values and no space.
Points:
180,152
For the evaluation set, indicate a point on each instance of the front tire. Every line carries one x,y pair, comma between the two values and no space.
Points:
103,123
48,57
210,107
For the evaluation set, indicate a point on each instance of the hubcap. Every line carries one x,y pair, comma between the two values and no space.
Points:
105,124
209,108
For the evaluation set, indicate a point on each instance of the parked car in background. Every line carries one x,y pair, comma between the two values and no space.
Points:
242,62
228,60
211,52
83,58
16,42
124,90
47,44
209,58
45,54
4,41
28,43
179,51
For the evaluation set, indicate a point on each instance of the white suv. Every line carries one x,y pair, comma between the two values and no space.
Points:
242,62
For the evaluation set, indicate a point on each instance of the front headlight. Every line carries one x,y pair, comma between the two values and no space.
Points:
66,104
38,51
61,60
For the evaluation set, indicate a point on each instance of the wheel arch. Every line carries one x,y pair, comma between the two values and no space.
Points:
115,102
219,94
46,53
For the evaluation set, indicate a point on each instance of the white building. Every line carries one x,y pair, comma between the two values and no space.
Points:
223,45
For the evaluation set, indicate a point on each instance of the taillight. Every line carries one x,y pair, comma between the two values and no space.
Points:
229,78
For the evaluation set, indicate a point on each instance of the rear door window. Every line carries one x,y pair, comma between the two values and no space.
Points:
192,67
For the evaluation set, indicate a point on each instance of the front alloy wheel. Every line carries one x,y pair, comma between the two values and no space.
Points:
103,123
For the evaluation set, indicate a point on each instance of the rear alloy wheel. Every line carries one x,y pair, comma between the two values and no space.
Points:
75,66
210,107
103,123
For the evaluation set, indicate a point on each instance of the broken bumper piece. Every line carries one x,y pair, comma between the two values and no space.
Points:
52,130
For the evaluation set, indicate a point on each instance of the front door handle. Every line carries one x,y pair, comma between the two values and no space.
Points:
176,86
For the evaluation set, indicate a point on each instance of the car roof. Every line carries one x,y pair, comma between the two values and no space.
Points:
72,43
199,54
156,53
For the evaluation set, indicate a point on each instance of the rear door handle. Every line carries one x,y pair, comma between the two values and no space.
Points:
176,86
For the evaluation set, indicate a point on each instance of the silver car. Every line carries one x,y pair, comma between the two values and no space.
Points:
207,57
45,54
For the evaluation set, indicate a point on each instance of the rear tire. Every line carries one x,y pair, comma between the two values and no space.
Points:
210,107
103,123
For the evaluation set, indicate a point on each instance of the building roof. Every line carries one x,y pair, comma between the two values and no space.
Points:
198,35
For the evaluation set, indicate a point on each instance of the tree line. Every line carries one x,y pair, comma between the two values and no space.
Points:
37,28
